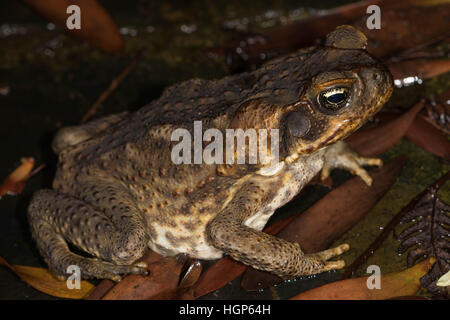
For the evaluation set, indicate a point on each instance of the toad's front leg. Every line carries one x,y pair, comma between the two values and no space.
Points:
260,250
339,155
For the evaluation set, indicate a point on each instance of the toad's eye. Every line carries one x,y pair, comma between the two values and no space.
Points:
334,99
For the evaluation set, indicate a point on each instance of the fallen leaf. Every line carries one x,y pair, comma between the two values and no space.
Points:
323,223
444,281
191,274
405,26
389,228
376,140
429,138
97,26
100,290
403,283
251,51
420,68
43,281
218,275
163,279
420,132
427,234
106,285
15,182
189,277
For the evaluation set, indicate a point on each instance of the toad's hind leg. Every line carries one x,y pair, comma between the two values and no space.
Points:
56,218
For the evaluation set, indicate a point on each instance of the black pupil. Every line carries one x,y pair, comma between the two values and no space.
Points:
336,98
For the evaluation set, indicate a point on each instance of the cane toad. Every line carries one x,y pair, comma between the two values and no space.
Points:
117,190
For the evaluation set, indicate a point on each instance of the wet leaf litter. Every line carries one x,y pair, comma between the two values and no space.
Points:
204,271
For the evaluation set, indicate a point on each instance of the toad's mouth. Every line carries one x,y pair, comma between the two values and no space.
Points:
336,129
338,132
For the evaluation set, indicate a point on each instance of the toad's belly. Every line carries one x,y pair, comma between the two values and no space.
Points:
169,241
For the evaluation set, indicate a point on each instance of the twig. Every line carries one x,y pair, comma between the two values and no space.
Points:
408,53
112,86
42,166
100,290
390,226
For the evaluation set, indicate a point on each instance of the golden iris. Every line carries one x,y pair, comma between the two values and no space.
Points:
334,99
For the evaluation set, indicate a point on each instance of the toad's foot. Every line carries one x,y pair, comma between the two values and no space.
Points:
96,268
57,218
324,256
339,155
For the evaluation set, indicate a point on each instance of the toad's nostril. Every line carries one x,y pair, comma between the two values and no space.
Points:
298,124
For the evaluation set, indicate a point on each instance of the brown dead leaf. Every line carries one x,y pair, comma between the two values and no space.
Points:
403,283
404,26
185,290
97,26
191,274
15,182
426,234
43,281
389,227
218,275
163,279
421,68
295,35
169,278
429,138
100,290
421,132
376,140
